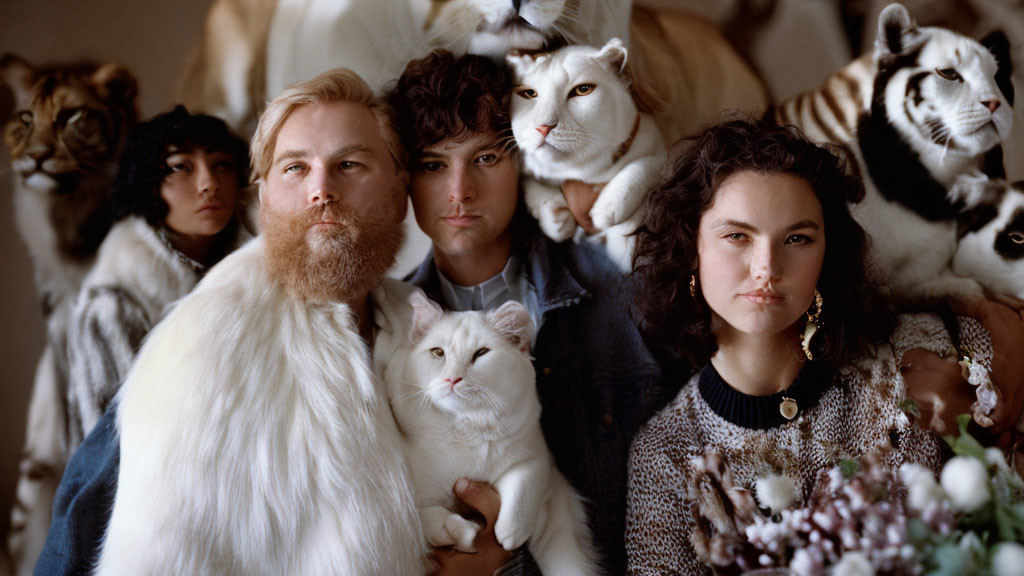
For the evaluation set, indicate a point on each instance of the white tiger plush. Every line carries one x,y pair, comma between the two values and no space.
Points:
574,118
991,234
939,106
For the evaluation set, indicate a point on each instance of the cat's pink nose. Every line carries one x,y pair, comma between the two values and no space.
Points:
544,129
992,105
452,383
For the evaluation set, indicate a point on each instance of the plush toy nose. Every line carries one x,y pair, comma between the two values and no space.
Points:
992,105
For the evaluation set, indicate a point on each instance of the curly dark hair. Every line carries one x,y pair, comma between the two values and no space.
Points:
443,96
144,163
856,316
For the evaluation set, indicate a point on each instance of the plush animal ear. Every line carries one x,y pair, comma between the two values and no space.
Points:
997,43
513,322
897,32
115,83
425,313
980,196
613,56
17,75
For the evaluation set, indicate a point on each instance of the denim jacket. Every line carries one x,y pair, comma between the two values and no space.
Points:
597,380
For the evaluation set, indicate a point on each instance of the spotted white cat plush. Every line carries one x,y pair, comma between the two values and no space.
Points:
990,248
575,117
466,403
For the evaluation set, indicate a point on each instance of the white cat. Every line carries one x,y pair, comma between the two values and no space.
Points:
466,404
575,118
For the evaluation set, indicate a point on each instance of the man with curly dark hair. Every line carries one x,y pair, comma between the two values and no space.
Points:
596,379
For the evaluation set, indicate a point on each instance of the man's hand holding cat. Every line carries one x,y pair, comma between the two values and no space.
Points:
489,556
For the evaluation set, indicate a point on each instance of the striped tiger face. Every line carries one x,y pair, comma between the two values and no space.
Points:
944,90
494,27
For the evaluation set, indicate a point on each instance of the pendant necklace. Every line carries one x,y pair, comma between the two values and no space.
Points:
788,408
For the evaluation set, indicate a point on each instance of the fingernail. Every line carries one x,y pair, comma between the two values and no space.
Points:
461,485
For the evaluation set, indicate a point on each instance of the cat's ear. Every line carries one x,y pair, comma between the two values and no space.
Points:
115,83
17,75
425,313
613,56
513,322
897,32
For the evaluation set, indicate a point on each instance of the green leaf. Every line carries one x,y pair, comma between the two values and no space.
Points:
950,560
849,467
910,407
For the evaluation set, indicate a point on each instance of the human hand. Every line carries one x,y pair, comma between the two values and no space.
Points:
580,198
1006,329
938,388
489,556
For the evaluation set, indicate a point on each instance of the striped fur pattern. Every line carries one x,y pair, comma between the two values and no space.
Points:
939,105
256,439
65,135
137,275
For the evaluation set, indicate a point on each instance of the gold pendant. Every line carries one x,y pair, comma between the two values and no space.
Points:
788,408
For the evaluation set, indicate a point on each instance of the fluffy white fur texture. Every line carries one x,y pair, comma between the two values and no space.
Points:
993,254
465,399
132,259
571,114
255,440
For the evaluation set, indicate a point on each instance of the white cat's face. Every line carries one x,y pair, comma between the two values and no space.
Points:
471,363
572,105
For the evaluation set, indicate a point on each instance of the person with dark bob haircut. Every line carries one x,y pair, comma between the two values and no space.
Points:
144,164
752,268
177,204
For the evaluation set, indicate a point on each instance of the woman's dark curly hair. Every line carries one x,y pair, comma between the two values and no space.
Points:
144,164
855,317
443,96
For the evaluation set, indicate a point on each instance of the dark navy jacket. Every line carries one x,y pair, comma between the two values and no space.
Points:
597,380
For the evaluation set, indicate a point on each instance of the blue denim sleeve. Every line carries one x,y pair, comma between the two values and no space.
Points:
82,505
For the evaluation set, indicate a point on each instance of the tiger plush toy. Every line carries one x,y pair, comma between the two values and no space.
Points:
64,137
928,106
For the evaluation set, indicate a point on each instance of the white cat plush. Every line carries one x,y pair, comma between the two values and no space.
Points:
574,117
991,234
466,404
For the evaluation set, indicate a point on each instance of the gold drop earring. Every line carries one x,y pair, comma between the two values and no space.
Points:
693,285
811,328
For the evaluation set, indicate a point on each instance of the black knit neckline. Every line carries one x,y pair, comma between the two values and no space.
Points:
762,412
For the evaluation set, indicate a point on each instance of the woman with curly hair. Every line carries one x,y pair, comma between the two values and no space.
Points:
754,271
176,202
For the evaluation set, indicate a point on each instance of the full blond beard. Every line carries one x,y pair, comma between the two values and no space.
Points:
339,264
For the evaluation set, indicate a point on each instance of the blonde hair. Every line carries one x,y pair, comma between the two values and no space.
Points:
338,85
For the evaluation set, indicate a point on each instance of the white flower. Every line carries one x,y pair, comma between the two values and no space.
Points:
995,456
775,492
1008,560
922,489
965,480
853,564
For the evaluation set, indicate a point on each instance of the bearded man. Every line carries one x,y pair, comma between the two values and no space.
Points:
255,437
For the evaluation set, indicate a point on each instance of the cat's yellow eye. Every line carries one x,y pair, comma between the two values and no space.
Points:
479,353
950,74
437,352
1017,237
581,90
26,117
527,93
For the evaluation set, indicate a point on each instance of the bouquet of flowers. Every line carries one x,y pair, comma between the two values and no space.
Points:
864,519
